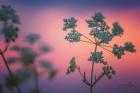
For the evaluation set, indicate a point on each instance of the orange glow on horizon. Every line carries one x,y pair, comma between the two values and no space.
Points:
49,23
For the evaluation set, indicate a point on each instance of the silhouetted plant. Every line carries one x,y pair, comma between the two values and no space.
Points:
102,35
9,28
27,57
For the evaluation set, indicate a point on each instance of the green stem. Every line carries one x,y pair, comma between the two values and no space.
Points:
83,77
106,49
106,46
92,68
36,79
86,41
87,38
9,71
99,78
91,89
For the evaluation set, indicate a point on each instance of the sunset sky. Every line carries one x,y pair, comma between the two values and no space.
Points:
45,17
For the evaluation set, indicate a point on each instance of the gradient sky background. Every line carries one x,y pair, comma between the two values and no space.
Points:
46,18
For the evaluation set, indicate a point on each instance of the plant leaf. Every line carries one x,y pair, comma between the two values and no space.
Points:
72,66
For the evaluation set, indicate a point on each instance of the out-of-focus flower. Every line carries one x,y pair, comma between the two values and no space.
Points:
7,13
44,49
10,33
12,60
49,67
32,38
27,56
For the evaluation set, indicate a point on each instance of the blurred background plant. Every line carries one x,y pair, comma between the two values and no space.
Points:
9,28
28,55
102,36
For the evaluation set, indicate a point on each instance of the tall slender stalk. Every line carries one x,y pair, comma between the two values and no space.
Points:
9,71
36,79
92,70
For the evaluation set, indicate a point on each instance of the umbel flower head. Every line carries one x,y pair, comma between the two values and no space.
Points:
117,30
73,36
96,20
129,47
100,30
98,17
69,23
108,71
118,51
102,36
96,57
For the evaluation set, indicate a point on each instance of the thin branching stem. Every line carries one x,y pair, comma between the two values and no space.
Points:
86,41
83,77
8,68
6,48
106,49
88,38
95,38
98,78
106,46
92,70
36,78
